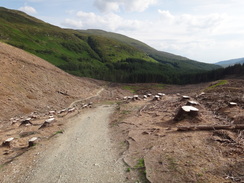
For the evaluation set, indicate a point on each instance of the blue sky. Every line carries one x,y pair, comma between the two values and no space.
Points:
203,30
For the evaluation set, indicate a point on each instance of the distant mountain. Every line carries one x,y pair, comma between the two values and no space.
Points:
227,63
94,53
160,56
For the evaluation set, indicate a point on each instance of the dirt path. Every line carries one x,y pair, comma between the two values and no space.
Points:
81,100
83,153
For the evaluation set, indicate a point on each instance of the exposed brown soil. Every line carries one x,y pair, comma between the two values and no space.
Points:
150,133
30,84
144,131
32,88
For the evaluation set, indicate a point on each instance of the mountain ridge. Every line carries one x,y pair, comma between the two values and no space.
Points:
230,62
95,55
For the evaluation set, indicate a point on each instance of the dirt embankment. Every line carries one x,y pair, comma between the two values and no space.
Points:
30,84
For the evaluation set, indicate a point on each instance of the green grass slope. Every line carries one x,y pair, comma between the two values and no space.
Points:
96,54
163,57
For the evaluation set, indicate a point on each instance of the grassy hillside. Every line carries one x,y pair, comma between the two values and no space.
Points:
162,57
96,54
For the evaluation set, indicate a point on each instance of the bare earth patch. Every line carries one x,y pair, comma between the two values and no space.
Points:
149,129
142,133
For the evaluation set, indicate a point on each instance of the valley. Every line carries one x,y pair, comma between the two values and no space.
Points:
93,106
95,53
143,135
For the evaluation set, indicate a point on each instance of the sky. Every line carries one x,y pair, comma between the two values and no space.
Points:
202,30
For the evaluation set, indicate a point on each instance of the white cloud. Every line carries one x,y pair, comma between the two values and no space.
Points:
203,36
109,22
166,15
107,6
191,23
127,5
138,5
209,37
28,9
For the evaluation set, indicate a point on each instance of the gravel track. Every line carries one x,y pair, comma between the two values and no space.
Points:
82,154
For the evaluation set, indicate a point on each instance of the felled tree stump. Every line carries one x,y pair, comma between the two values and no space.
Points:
186,111
161,94
32,141
232,104
191,102
71,109
185,97
62,111
7,142
26,122
90,104
47,123
156,97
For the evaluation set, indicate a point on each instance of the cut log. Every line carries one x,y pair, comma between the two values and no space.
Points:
210,127
186,128
32,141
184,97
191,102
7,142
232,104
186,111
